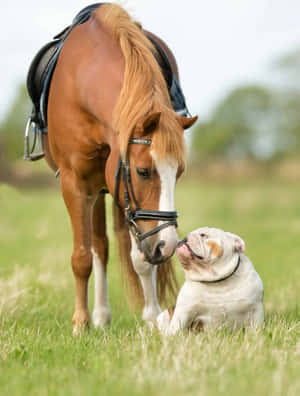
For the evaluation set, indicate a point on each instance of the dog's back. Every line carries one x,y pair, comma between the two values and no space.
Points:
234,302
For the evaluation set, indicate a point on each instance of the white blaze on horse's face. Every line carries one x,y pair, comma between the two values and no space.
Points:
167,170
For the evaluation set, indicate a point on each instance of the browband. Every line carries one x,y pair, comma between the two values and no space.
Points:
147,142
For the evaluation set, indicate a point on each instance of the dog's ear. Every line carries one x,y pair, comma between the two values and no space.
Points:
239,245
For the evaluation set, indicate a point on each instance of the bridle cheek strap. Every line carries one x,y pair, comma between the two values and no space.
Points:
131,216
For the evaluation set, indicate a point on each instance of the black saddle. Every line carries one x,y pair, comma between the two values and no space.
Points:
43,65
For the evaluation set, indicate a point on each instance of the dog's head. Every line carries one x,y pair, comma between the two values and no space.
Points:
209,254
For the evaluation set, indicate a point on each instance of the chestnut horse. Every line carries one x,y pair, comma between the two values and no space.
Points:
108,91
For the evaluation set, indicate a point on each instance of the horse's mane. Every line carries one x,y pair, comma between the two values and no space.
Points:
144,88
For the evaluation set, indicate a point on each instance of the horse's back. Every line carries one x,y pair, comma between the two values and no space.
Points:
84,90
90,68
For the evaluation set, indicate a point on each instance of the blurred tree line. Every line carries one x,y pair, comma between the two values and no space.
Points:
12,132
13,126
260,122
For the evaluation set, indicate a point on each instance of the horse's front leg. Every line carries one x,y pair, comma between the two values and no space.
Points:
147,274
79,204
101,313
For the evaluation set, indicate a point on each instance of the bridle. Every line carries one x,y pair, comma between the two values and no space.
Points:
132,215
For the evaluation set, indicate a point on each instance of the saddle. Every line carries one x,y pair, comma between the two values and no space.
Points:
41,71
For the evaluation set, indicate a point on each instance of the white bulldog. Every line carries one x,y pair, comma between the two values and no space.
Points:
222,288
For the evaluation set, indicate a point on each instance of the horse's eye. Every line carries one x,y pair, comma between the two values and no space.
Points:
144,173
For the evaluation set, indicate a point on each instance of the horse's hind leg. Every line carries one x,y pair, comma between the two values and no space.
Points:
101,313
80,205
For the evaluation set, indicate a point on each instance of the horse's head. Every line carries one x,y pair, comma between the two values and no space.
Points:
145,183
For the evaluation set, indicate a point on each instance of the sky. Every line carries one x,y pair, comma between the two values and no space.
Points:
218,44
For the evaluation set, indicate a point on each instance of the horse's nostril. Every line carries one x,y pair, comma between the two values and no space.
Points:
160,244
157,252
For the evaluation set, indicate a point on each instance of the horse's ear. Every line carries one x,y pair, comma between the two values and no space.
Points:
187,122
151,122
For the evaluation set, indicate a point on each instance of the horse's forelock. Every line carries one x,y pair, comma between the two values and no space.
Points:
169,140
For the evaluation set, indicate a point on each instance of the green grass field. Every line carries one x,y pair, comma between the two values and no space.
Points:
39,356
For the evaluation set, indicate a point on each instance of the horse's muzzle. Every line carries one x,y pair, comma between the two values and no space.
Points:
158,254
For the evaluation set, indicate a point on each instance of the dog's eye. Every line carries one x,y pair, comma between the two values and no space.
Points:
144,173
203,235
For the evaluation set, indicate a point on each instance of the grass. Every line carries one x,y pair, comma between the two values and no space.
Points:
39,356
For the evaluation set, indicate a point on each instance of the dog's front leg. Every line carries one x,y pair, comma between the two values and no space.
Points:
180,321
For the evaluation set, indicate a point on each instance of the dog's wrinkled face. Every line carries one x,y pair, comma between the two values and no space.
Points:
209,254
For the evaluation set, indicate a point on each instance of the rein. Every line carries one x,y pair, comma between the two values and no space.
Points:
133,215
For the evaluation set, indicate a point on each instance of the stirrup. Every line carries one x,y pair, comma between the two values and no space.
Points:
29,154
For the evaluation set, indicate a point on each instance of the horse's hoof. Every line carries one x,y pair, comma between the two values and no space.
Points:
101,318
81,323
79,330
150,314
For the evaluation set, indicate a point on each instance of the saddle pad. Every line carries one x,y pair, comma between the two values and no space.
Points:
42,67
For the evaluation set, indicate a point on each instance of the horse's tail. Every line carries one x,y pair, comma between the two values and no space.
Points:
167,286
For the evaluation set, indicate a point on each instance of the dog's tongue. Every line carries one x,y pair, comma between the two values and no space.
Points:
183,250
